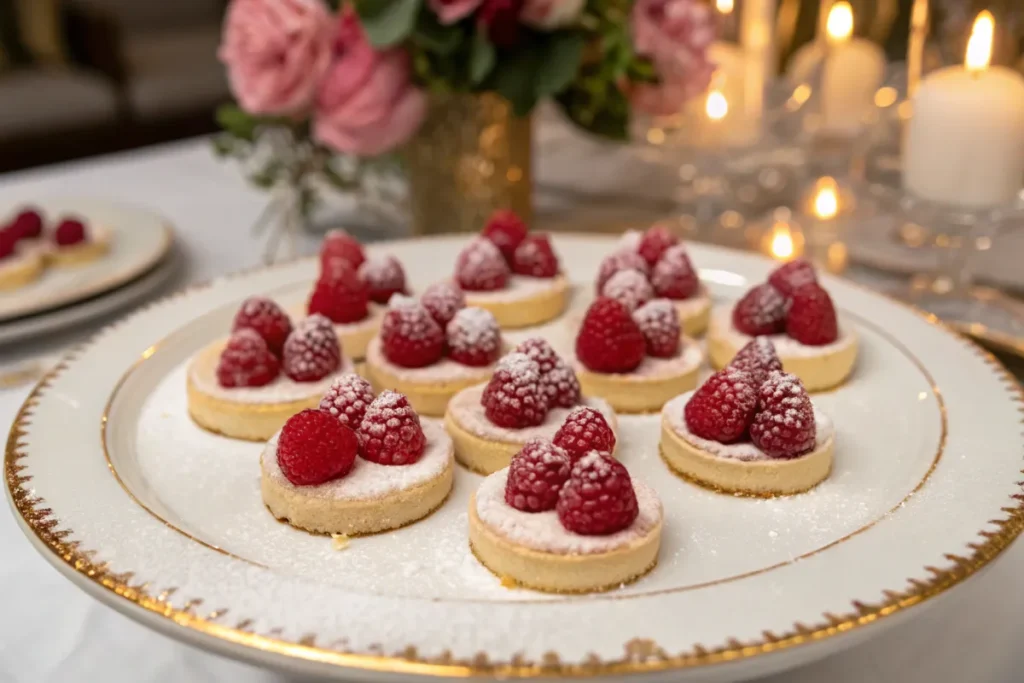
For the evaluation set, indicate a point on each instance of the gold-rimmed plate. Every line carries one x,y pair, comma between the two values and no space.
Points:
163,521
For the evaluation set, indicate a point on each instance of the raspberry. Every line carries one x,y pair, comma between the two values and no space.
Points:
556,378
609,340
628,287
536,475
312,351
409,336
384,277
758,358
8,242
598,499
784,424
27,225
812,316
506,231
347,399
267,319
69,231
535,257
762,310
473,337
792,276
655,243
246,361
314,448
340,295
658,320
442,300
390,432
673,277
620,260
630,240
480,267
723,407
514,398
585,430
338,245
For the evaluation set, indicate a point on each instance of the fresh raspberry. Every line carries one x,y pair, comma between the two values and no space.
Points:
812,316
792,276
758,358
338,245
314,448
312,351
480,267
784,424
514,398
506,231
390,432
27,225
655,243
347,399
535,257
267,319
762,310
384,277
536,475
409,336
585,430
442,300
69,231
8,242
340,295
723,407
673,277
658,320
473,337
628,287
598,499
623,259
246,361
609,340
557,379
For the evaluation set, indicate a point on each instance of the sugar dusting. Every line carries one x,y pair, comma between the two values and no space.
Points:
785,346
444,370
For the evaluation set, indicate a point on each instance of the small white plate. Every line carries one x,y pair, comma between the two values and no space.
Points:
126,497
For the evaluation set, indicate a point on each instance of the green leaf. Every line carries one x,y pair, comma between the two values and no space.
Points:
515,76
237,122
434,36
482,56
387,22
560,62
223,145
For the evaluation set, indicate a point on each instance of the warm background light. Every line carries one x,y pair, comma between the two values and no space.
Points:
781,244
724,6
979,46
717,106
826,199
840,21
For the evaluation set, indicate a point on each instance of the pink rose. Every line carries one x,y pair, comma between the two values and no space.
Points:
275,52
451,11
551,14
500,18
367,103
674,35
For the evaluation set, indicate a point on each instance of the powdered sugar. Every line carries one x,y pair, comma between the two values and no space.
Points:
630,287
444,370
347,399
519,287
474,327
630,240
520,366
689,358
785,346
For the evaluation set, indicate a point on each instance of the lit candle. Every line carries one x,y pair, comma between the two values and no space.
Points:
826,199
783,241
965,142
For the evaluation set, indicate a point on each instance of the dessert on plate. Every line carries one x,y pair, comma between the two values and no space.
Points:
532,394
75,242
749,429
433,348
356,465
247,386
21,259
798,315
565,523
635,361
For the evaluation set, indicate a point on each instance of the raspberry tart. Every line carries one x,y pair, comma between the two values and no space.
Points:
246,386
21,262
74,242
512,273
433,348
635,360
798,315
532,394
560,523
357,464
750,429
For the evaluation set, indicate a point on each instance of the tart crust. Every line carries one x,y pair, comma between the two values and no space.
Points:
97,245
640,393
528,310
694,319
20,269
354,337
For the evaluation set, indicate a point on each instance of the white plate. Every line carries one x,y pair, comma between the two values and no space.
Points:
139,239
925,492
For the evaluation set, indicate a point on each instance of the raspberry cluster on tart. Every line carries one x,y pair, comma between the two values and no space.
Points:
532,394
656,264
433,348
512,273
565,521
749,429
797,314
28,245
357,464
248,385
635,359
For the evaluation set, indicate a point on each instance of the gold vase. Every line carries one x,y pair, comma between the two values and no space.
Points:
471,157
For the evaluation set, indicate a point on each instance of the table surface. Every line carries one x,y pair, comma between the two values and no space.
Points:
50,631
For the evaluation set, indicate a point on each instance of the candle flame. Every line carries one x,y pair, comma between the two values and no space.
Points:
781,245
717,106
979,45
826,199
724,6
840,21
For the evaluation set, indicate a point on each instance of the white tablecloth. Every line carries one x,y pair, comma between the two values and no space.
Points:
51,632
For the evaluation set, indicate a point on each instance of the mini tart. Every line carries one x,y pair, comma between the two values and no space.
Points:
21,268
645,389
525,301
250,413
354,337
96,244
694,313
818,367
484,447
369,499
535,551
742,468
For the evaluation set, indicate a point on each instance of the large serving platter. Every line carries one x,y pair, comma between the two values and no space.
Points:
125,496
